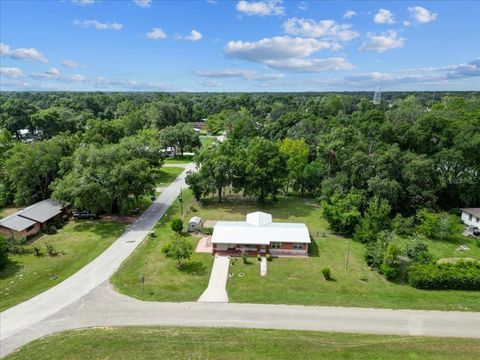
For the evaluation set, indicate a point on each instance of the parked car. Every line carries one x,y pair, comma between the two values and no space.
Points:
84,214
476,231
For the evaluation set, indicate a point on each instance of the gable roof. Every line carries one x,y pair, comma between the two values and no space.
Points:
472,211
16,222
43,210
249,233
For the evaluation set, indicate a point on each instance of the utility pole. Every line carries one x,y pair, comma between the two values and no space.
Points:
180,198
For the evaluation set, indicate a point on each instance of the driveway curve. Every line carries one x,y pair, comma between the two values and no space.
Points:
38,308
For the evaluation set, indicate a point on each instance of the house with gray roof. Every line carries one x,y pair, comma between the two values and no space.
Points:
32,219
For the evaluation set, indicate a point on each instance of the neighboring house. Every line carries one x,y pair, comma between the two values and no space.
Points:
170,151
195,224
32,219
259,235
18,227
471,216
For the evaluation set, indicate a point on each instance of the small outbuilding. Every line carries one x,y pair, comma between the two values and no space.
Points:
195,224
471,217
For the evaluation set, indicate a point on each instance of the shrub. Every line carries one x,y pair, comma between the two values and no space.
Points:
461,275
417,251
207,230
259,258
51,250
14,246
403,226
3,253
37,251
177,225
269,257
376,250
178,248
327,274
391,264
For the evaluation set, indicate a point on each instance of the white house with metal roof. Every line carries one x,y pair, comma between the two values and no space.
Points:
259,234
471,216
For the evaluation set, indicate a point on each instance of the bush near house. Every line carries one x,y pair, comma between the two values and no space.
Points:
327,274
461,275
177,225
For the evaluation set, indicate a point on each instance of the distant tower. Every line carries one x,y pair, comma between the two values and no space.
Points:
377,97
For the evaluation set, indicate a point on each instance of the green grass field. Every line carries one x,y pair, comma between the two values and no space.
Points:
79,242
179,160
163,280
242,344
167,174
289,280
4,212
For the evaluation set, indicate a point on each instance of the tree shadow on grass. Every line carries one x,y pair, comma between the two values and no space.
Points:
313,248
193,268
102,229
11,268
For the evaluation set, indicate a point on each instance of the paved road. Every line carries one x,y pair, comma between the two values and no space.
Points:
216,290
104,307
30,312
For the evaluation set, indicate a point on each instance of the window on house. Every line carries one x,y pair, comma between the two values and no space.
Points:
478,219
470,217
275,245
297,246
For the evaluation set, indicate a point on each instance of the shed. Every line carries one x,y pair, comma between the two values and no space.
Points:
195,224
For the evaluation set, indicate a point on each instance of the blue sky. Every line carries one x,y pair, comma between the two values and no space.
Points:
148,45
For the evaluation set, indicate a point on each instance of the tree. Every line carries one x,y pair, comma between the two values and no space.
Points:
177,225
375,219
266,169
178,248
180,136
343,211
53,120
296,153
437,226
391,264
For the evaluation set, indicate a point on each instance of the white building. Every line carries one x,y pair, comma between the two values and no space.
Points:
258,234
471,216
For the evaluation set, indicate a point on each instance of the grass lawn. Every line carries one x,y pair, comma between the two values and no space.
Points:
289,280
163,280
227,343
4,212
207,140
167,174
179,160
27,275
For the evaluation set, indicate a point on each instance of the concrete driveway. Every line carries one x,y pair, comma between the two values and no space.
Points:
216,291
30,312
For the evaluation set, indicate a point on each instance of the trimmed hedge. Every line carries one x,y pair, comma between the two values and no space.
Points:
461,275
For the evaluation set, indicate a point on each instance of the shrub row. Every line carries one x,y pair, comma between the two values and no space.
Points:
461,275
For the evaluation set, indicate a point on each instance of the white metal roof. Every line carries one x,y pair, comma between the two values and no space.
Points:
195,219
15,222
259,218
243,232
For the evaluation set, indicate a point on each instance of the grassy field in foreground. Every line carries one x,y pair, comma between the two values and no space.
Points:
79,242
241,344
179,160
163,280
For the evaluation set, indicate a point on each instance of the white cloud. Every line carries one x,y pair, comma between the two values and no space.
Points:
70,64
107,83
12,72
349,14
143,3
385,41
194,36
22,53
278,47
311,65
156,34
83,2
239,73
384,17
323,28
406,23
283,52
98,24
54,74
302,5
210,83
261,8
421,14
